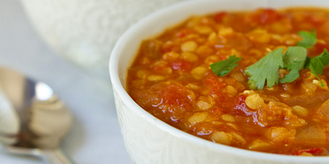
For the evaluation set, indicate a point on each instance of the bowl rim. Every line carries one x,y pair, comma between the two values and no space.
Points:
134,107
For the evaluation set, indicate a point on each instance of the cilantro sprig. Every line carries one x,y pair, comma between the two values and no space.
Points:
317,64
309,39
224,67
265,71
293,74
294,60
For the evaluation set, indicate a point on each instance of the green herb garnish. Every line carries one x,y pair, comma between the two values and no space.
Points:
295,54
309,39
294,60
317,64
293,72
265,70
224,67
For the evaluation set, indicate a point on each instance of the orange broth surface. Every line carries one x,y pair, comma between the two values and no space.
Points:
172,80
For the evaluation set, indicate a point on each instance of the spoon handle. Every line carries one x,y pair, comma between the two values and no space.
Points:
55,156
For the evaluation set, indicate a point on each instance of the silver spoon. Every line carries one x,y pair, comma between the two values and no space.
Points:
32,118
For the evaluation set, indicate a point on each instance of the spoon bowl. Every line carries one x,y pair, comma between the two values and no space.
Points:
33,120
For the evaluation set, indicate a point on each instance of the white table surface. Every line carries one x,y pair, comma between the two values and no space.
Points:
95,137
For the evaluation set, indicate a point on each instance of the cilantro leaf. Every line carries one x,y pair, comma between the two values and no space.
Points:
295,54
293,74
294,60
318,63
224,67
265,70
309,39
307,62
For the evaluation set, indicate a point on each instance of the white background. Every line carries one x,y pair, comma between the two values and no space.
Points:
95,137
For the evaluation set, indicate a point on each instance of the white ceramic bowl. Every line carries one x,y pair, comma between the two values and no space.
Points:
148,140
85,31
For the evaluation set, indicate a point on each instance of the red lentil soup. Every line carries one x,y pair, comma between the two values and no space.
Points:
171,79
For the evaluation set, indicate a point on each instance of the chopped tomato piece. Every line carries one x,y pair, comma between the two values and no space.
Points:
181,65
184,32
175,101
219,16
265,16
212,82
240,107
